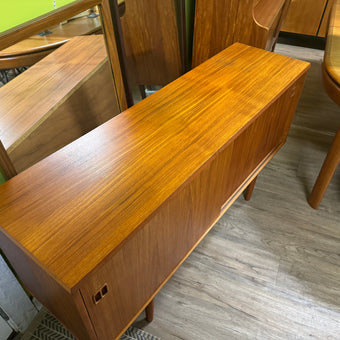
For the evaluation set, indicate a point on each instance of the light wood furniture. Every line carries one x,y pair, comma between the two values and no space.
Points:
29,51
151,40
220,23
239,281
33,49
57,100
331,82
108,11
308,17
95,230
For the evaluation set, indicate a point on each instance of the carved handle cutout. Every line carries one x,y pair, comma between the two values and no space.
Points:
100,294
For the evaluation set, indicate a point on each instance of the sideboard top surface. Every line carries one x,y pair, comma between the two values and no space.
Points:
75,207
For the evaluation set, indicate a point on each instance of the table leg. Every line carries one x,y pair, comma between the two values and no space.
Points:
326,173
249,190
142,91
149,311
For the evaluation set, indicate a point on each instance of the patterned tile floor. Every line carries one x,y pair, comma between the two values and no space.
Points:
46,327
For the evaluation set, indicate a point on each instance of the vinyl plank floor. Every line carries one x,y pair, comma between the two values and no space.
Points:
270,267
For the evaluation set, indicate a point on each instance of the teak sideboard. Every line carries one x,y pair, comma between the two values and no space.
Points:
96,229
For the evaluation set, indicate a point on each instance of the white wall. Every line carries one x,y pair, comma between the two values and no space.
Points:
5,330
14,301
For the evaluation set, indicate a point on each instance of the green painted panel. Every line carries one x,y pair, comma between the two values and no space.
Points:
17,12
190,17
2,178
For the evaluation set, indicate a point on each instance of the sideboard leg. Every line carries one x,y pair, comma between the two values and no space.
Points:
326,173
249,190
149,311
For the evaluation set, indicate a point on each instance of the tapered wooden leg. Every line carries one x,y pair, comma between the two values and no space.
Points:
149,311
250,189
142,91
326,173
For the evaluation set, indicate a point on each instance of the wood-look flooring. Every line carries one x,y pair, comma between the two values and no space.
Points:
270,268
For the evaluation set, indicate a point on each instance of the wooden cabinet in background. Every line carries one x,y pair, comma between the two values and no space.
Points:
308,17
220,23
152,47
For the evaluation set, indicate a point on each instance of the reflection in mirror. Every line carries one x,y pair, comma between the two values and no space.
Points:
26,11
65,91
18,57
153,35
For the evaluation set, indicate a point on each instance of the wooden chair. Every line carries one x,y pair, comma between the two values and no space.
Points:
331,82
220,23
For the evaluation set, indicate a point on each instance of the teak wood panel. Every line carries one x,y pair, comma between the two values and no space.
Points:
87,107
219,24
153,254
110,34
304,16
325,19
56,101
87,203
44,85
151,41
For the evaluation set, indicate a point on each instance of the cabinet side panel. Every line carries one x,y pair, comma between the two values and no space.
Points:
304,16
48,291
260,139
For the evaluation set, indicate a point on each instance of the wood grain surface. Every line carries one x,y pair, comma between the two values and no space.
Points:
59,34
24,31
270,267
137,168
17,61
87,106
325,19
304,16
112,51
218,24
184,219
151,41
31,97
56,101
